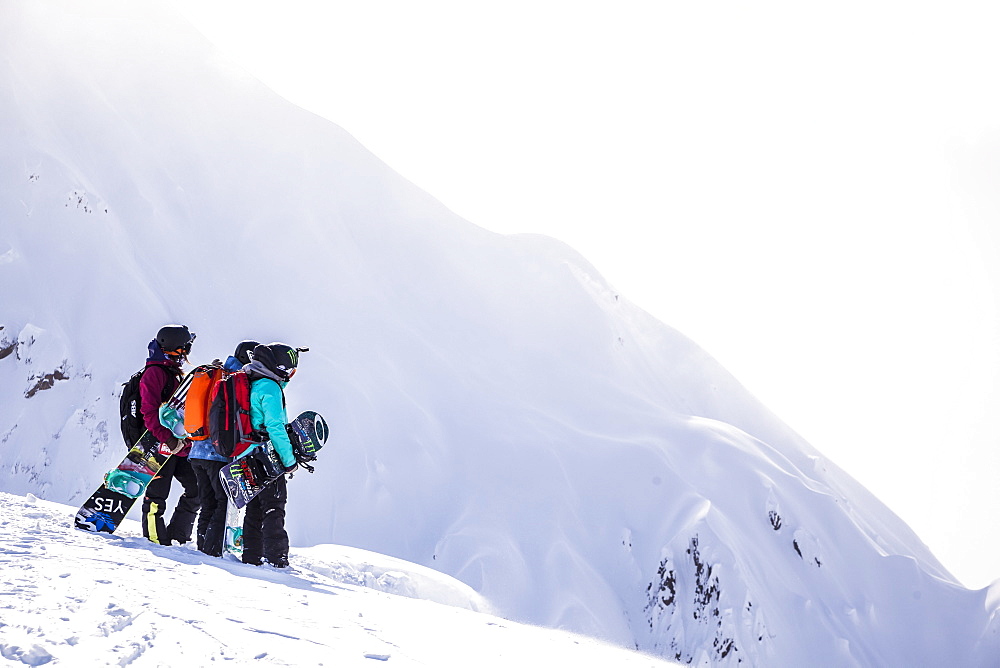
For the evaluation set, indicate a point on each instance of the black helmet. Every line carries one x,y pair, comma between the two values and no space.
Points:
244,351
278,358
174,340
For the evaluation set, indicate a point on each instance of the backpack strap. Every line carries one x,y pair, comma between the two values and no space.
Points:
168,391
262,432
284,402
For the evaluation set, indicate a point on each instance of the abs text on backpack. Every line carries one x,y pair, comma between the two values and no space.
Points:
229,416
130,403
199,400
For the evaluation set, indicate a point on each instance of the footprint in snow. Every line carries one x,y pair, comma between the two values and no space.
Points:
34,655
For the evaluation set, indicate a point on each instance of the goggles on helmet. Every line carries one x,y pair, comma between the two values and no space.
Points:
182,350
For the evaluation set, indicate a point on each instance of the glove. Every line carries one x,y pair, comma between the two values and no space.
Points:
175,445
290,469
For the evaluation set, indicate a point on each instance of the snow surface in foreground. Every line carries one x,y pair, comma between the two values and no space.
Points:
76,599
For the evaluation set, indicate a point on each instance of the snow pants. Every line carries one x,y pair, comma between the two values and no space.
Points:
264,532
155,502
211,532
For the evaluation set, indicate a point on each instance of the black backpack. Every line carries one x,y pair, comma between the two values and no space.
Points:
130,404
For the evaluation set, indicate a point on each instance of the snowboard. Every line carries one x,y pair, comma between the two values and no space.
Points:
233,542
106,508
246,477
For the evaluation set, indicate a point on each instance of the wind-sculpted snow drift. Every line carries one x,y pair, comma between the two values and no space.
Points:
499,413
73,598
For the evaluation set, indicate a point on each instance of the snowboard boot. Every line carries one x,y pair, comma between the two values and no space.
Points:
279,561
251,559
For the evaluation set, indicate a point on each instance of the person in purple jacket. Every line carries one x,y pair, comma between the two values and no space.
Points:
167,352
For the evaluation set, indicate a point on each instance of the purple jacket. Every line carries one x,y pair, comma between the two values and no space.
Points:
158,381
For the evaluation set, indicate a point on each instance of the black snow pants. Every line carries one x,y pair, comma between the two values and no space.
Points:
264,525
155,502
211,532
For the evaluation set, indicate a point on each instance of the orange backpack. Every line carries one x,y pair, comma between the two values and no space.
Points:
199,400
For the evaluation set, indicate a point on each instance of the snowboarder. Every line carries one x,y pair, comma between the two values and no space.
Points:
167,352
207,463
264,535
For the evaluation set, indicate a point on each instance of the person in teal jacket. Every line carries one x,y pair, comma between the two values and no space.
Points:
264,537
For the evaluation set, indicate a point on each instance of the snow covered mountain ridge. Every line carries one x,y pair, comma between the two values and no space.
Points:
77,599
499,413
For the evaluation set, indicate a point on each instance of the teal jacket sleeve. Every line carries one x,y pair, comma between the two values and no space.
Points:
272,417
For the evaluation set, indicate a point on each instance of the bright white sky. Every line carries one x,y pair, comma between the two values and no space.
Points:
808,191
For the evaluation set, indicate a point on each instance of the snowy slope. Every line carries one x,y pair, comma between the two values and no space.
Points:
499,412
76,599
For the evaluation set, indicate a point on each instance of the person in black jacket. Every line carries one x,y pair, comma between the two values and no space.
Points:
207,463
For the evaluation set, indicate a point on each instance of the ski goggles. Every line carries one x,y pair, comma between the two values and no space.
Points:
183,350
